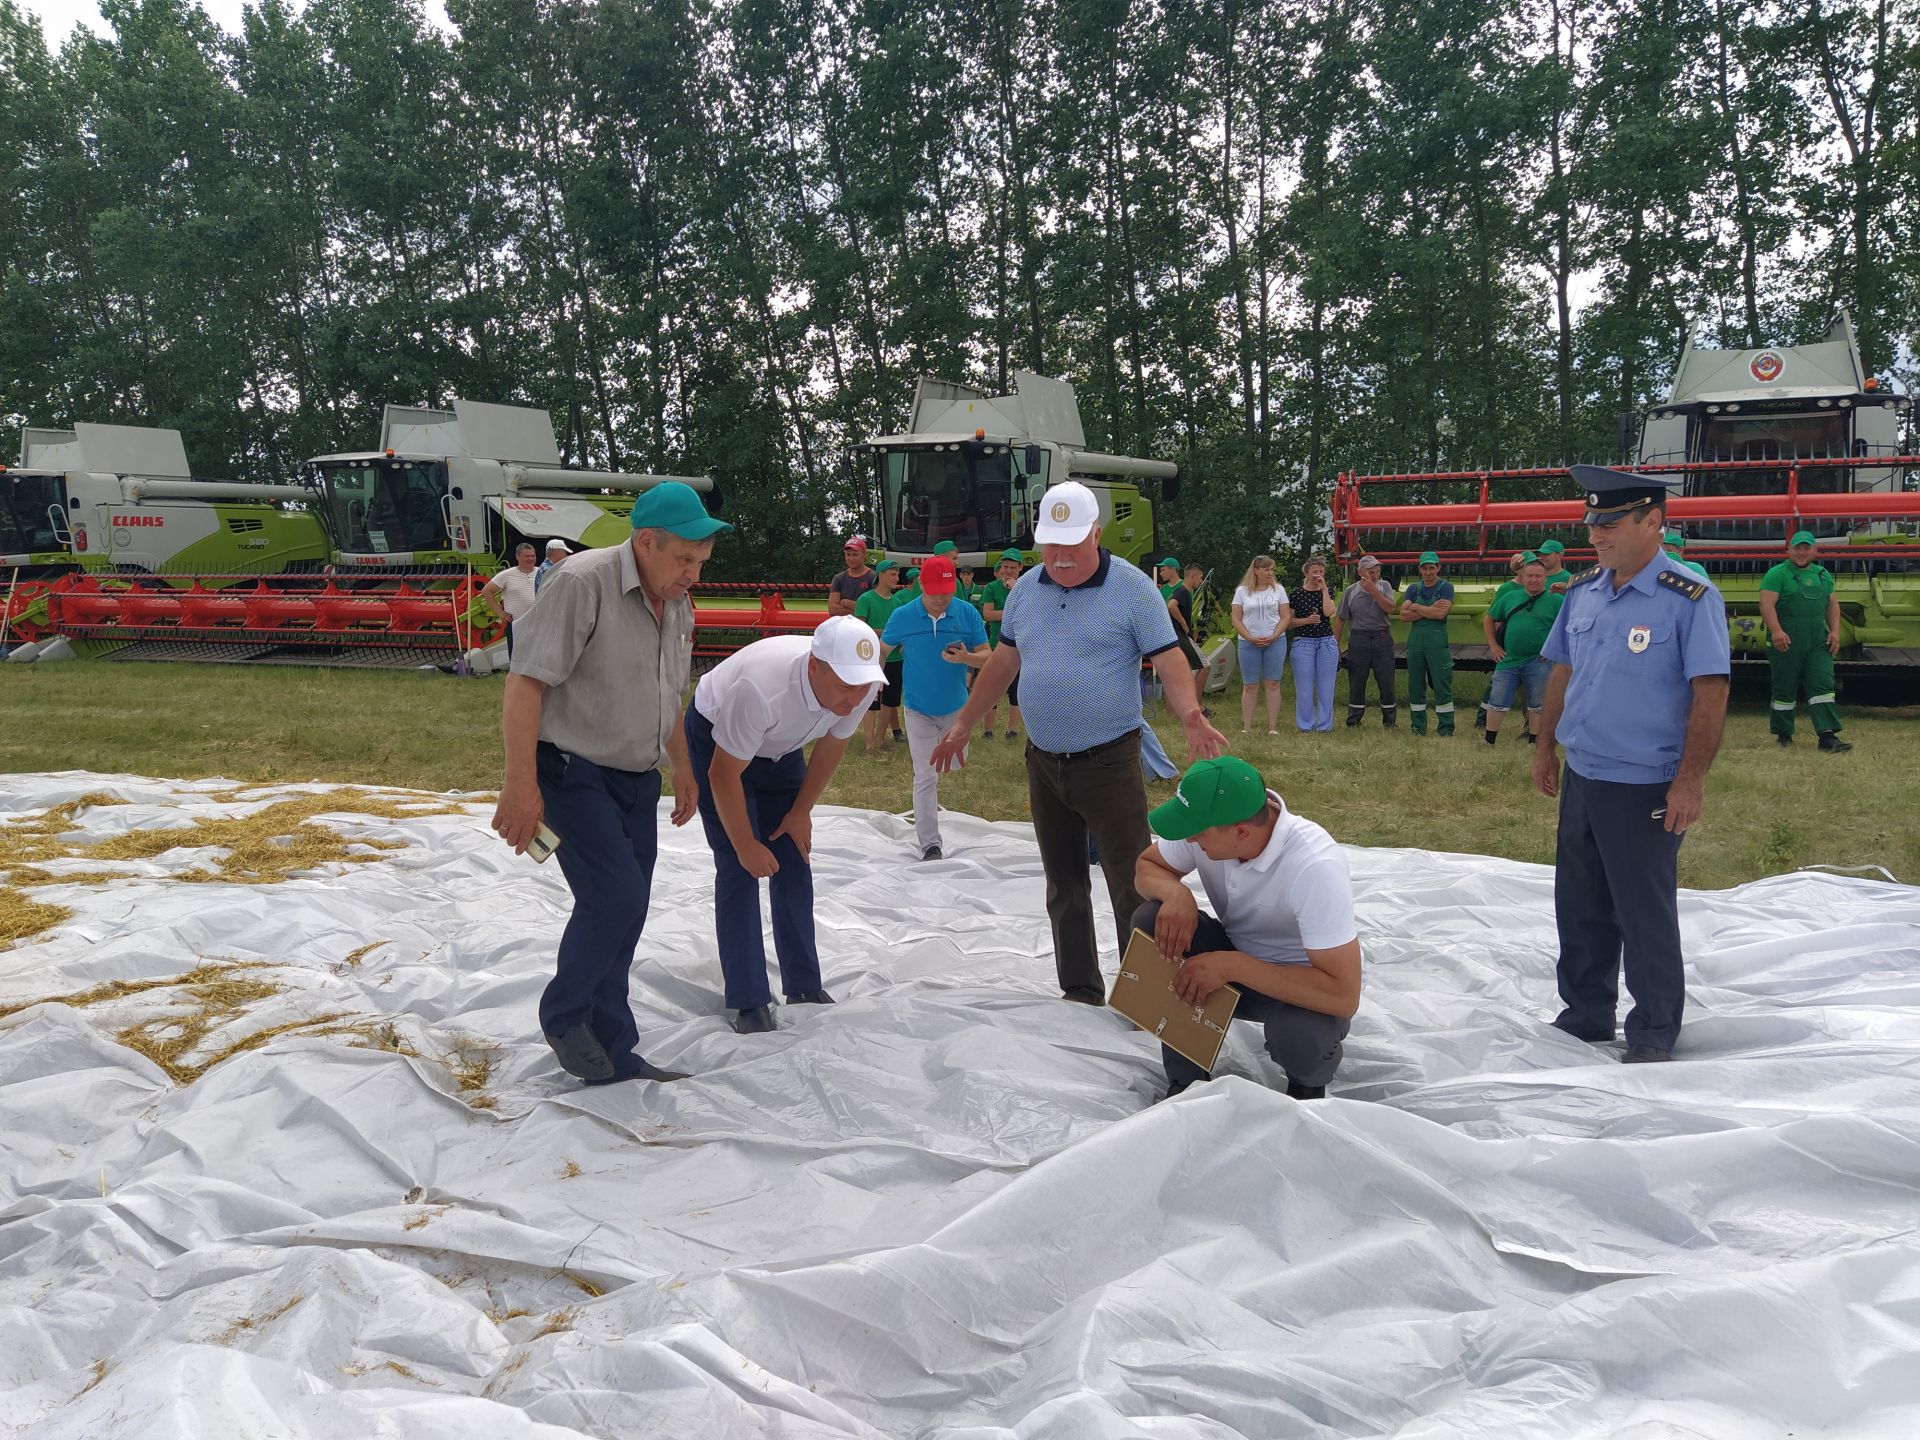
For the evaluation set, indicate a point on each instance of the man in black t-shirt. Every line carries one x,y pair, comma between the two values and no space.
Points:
854,581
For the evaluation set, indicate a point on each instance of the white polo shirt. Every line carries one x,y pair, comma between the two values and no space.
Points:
516,590
761,706
1294,896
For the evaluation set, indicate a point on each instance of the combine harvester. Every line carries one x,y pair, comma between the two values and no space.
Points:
377,560
1770,442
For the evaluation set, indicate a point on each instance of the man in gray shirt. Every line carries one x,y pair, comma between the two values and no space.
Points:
592,707
1366,610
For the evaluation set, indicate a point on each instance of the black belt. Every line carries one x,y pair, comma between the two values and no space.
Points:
1099,749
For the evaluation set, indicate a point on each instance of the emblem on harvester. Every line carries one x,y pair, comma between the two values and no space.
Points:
1766,367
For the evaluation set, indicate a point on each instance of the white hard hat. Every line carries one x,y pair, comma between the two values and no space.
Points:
1068,512
558,544
850,648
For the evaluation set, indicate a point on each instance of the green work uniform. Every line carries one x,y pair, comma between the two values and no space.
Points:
1806,667
1529,618
993,593
874,608
1429,660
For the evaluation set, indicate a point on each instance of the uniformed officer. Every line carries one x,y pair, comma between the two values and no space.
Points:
1429,658
1802,610
1638,696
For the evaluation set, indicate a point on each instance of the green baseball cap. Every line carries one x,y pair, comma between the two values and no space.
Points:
945,547
1675,539
1427,557
1553,547
883,565
1165,561
1527,557
1803,537
1012,554
675,507
1226,791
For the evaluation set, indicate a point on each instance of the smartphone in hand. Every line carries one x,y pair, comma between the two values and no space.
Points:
543,844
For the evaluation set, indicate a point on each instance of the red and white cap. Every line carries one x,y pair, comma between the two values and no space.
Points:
938,577
1068,512
850,649
855,542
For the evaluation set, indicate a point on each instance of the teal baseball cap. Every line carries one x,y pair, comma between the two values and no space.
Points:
1427,557
1803,537
945,547
1553,547
1674,539
884,565
1012,554
1226,791
675,507
1167,562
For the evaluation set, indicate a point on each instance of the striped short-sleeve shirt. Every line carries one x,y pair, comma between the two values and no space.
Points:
1080,652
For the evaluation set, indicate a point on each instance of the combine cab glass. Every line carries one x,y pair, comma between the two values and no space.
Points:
32,510
970,467
384,507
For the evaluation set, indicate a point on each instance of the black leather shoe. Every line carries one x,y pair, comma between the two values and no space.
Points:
581,1054
1831,742
1353,721
1085,997
1646,1055
812,997
644,1072
757,1021
1297,1091
932,852
1592,1034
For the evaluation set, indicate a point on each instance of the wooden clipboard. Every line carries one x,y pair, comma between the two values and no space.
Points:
1143,992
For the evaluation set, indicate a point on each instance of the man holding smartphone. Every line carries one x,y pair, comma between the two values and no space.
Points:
939,637
591,710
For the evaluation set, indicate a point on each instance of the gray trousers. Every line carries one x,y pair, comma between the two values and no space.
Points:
1369,652
923,733
1304,1043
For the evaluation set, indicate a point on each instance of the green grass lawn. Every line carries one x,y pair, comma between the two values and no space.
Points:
1768,810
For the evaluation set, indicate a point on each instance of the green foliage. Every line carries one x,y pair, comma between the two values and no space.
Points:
1269,240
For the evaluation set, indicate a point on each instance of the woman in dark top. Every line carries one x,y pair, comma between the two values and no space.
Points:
1316,649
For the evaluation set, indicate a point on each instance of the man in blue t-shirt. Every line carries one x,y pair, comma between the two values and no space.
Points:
939,637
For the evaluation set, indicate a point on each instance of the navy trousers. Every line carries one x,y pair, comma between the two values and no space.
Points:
606,821
771,787
1616,900
1304,1043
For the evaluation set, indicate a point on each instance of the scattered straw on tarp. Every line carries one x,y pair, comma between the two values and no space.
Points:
22,917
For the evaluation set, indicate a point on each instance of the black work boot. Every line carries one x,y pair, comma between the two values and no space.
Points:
1297,1091
757,1021
581,1054
1831,742
1783,739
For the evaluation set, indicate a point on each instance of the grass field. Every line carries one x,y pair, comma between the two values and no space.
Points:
1768,810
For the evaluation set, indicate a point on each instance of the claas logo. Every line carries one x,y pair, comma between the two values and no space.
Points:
125,522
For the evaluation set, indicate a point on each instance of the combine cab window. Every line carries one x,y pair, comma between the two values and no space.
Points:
382,507
975,496
1771,437
26,527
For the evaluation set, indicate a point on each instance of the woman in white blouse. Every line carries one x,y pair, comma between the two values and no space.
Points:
1260,616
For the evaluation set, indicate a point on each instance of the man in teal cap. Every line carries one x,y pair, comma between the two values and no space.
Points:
1802,610
1675,544
993,604
1425,608
1553,559
1283,933
1167,575
590,713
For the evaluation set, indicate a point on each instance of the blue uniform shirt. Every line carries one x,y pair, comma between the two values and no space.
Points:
1635,653
934,686
1080,651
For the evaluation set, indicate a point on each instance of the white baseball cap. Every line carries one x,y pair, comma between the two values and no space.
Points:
850,649
558,544
1067,513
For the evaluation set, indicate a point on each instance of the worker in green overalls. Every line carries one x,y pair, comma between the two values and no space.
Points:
1802,610
1425,607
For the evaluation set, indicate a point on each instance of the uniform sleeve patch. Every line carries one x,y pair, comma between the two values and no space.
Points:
1692,589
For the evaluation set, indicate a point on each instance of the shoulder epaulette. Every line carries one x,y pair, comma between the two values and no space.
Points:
1585,577
1687,586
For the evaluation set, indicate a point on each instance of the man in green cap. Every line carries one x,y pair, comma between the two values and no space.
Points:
993,605
1802,610
1283,933
591,709
876,607
1425,607
1167,576
1553,559
1675,544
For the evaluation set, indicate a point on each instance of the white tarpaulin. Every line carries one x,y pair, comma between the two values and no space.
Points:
946,1206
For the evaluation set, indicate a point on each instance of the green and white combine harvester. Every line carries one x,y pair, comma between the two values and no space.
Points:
1769,442
378,559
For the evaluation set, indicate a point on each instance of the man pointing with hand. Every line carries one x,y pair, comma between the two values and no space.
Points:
1073,631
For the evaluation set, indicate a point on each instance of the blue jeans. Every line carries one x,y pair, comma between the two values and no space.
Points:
1506,684
1316,660
606,821
1257,664
771,786
1153,755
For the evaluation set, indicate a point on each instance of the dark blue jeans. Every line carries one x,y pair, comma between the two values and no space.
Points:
771,787
606,821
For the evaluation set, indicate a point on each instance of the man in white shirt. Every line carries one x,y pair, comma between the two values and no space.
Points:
751,717
514,589
1285,937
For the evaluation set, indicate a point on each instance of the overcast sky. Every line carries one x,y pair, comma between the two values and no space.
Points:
59,17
